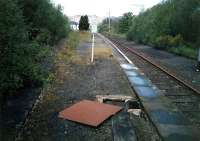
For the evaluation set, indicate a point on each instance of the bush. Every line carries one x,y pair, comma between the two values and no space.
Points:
44,20
175,18
169,41
185,51
176,41
125,22
18,55
162,41
27,28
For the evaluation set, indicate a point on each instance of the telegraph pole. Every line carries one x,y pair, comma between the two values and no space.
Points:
109,22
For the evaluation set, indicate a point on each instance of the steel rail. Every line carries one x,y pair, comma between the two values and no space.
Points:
159,67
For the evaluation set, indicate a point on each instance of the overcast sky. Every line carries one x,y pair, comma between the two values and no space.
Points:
101,7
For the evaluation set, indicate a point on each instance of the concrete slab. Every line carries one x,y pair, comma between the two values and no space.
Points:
168,117
146,92
131,73
178,133
128,66
139,81
170,122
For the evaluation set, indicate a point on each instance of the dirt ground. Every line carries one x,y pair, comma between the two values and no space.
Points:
77,79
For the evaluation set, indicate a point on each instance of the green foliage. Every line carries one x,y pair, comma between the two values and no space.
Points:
44,20
169,41
119,26
184,51
170,17
103,27
27,28
125,22
170,24
17,53
73,40
84,23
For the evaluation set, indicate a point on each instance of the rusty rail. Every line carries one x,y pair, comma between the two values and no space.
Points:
159,67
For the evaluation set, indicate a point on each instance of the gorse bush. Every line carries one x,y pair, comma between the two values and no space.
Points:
27,29
169,41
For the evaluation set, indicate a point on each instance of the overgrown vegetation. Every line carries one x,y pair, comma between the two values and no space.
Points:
172,25
29,29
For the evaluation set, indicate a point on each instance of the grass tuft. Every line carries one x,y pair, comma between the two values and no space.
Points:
184,51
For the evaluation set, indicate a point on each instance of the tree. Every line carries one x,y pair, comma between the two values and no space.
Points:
125,22
28,29
46,22
169,18
18,55
84,23
104,26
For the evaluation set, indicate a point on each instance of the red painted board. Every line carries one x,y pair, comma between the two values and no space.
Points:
89,112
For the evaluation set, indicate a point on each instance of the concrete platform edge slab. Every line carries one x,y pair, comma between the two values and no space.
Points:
171,129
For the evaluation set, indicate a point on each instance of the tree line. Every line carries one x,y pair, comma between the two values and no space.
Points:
28,31
170,24
119,25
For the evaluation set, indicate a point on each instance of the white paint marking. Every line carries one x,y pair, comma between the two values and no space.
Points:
108,41
92,56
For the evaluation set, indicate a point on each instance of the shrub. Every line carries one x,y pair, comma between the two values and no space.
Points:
27,28
176,41
18,55
163,41
169,23
169,41
185,51
44,20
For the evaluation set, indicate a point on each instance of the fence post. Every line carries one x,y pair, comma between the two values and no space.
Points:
198,60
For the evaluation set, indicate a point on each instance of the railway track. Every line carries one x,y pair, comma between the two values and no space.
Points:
182,94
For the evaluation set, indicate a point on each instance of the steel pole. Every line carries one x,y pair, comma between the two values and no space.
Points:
109,22
198,60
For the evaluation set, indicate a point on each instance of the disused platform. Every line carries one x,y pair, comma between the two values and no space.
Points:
76,79
171,124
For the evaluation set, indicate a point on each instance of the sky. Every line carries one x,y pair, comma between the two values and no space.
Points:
102,7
